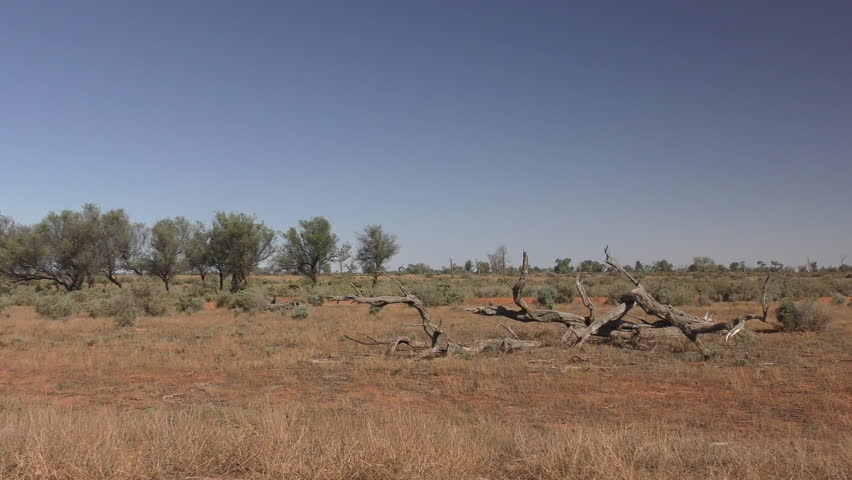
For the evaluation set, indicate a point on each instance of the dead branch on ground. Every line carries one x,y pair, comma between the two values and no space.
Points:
670,322
439,344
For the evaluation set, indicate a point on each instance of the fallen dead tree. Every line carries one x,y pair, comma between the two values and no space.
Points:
669,320
439,343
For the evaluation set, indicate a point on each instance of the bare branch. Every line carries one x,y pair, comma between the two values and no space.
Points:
515,335
586,301
614,264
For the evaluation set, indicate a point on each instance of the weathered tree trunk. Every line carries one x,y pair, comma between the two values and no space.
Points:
439,345
239,282
580,329
527,315
112,278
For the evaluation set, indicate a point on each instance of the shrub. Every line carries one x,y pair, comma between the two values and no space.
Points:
149,297
838,299
546,297
434,295
374,310
249,300
96,307
223,300
564,291
316,300
189,304
809,318
123,305
56,306
676,294
788,314
814,318
125,318
300,312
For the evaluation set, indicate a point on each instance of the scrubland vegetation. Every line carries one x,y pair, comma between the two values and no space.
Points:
121,359
272,395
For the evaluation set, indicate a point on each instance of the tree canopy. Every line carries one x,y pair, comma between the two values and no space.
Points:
375,248
238,244
310,249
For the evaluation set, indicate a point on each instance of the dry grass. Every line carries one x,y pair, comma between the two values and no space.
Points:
259,397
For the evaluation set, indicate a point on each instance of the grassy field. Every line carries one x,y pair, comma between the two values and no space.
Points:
214,395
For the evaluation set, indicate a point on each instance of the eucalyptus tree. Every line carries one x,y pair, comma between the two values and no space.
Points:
308,250
122,245
238,244
169,239
375,248
198,255
62,248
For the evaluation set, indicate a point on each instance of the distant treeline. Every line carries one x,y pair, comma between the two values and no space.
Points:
71,248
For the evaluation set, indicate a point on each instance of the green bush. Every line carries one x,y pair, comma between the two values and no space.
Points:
150,297
564,291
676,294
125,318
316,300
249,300
838,299
56,307
788,314
374,310
189,304
301,312
808,318
223,300
97,307
438,294
546,297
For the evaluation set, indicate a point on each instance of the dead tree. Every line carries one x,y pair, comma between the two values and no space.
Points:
439,343
573,322
669,320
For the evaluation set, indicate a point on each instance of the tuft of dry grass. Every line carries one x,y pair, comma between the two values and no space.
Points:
264,396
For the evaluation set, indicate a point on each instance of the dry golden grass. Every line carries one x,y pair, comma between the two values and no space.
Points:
215,395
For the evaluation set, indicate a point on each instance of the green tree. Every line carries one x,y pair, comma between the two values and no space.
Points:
197,252
663,266
62,248
169,239
121,245
563,265
310,249
703,264
238,244
468,266
375,247
418,269
591,266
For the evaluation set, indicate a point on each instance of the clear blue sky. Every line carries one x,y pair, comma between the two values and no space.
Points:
666,130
